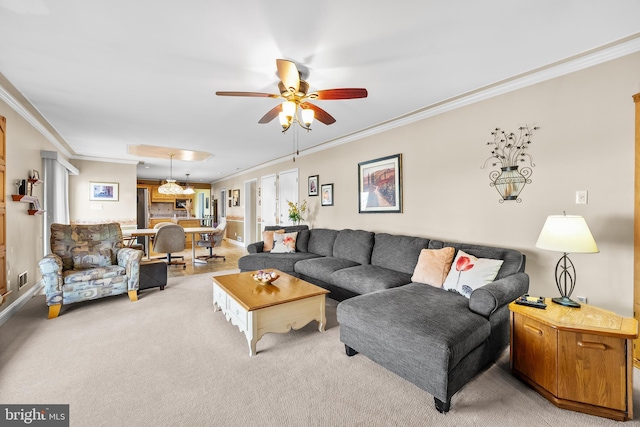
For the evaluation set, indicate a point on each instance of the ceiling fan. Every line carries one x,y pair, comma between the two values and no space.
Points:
295,92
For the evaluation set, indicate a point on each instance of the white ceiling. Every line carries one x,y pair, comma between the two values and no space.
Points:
107,74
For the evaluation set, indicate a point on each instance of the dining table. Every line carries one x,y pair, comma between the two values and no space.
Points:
148,232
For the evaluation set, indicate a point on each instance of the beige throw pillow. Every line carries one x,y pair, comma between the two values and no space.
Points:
267,237
433,266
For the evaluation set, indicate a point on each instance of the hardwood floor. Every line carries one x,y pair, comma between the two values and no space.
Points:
231,251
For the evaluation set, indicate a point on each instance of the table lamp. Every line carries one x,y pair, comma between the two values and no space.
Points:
567,234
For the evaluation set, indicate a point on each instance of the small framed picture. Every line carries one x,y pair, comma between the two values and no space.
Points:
313,185
327,194
235,195
36,205
105,191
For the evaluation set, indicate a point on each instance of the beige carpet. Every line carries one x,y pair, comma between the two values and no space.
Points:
170,360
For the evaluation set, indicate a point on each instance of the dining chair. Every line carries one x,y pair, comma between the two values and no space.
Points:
171,239
211,240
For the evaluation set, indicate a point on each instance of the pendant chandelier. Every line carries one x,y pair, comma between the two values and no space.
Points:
188,188
170,187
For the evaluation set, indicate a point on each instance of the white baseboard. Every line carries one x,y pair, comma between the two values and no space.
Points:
235,242
15,306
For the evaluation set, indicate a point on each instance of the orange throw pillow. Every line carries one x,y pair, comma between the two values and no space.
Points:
433,266
267,237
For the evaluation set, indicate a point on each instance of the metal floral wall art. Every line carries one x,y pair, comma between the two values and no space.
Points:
509,153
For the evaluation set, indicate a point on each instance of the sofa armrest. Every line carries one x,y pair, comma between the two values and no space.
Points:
129,258
255,247
487,299
51,269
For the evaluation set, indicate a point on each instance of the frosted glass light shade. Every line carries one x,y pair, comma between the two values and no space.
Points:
567,233
170,187
307,116
289,109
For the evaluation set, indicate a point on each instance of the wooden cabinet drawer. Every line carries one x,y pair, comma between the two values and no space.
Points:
593,369
535,351
238,314
220,298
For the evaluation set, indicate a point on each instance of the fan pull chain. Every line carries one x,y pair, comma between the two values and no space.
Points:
296,152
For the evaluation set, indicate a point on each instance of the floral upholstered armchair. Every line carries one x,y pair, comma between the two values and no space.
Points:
88,262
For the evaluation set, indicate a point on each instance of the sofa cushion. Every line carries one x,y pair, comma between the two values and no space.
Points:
354,245
514,261
93,274
429,327
302,242
83,259
363,279
433,266
284,243
395,252
321,241
266,260
469,273
322,267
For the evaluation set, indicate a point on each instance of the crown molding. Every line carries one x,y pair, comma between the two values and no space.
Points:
609,52
20,108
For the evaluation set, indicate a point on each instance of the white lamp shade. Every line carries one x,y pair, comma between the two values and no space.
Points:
283,120
567,233
289,108
307,116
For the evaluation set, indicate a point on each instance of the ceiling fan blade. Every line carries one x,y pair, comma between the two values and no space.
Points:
289,74
343,93
319,114
271,114
252,94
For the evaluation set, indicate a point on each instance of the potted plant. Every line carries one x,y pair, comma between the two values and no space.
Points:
296,210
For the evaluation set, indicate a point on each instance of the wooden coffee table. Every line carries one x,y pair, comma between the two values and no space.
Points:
256,308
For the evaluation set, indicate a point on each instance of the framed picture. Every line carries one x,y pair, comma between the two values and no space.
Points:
313,185
380,185
327,194
235,196
105,191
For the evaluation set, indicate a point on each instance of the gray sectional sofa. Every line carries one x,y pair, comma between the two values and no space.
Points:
437,339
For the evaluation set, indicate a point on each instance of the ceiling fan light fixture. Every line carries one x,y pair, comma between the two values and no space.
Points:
289,109
307,116
283,121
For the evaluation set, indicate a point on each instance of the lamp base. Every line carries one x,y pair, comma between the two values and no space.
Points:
566,301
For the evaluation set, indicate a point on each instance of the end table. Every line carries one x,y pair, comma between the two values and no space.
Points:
578,358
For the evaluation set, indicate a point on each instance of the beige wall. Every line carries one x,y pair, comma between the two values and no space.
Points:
24,231
83,210
586,142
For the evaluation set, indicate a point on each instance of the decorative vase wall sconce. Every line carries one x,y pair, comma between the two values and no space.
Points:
508,152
